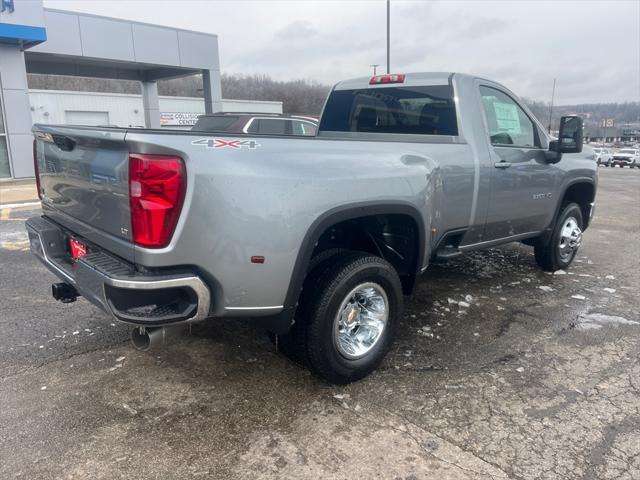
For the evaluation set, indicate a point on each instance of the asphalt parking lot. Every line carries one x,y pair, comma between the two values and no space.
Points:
500,371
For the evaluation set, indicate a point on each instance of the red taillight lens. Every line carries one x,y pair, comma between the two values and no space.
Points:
389,78
157,185
36,168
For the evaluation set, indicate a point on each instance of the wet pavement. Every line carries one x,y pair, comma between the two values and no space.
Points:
499,371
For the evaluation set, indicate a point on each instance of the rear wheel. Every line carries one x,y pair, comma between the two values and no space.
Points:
350,309
564,242
293,343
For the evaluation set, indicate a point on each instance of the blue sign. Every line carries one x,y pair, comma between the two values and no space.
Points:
7,5
24,36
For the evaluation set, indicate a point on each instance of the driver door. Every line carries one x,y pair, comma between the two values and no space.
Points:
522,182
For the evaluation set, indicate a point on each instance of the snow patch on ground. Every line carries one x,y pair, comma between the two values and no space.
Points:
594,321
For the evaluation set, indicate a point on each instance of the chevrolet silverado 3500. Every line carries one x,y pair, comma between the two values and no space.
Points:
320,238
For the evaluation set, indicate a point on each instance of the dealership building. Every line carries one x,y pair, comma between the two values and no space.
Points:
34,39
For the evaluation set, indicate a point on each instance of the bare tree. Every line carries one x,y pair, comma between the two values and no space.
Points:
303,96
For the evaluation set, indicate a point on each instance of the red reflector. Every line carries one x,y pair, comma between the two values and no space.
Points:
78,249
389,78
257,259
157,185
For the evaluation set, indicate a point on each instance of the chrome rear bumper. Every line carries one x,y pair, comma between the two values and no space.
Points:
165,298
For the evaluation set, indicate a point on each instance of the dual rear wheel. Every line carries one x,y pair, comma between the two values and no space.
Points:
349,309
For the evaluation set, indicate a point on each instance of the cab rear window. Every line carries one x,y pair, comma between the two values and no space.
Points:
427,110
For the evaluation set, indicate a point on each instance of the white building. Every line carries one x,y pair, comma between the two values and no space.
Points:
34,39
125,110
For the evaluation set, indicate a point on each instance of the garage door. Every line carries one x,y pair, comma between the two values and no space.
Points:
79,117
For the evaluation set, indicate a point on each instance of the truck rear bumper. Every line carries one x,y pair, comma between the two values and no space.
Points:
166,298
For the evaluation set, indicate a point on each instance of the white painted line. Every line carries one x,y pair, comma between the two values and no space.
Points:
18,205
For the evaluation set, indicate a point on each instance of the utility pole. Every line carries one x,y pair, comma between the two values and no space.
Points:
375,66
388,36
553,93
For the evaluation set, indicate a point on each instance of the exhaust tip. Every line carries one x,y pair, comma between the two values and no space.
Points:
141,339
146,338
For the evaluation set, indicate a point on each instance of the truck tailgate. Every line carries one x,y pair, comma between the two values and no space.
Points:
84,183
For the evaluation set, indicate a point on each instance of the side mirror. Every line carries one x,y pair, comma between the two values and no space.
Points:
570,135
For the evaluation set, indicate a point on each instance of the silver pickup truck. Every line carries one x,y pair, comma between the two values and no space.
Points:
320,239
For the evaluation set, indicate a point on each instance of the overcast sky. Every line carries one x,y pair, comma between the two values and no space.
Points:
592,47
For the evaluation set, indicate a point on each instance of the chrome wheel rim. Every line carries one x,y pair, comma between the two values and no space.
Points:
570,238
361,320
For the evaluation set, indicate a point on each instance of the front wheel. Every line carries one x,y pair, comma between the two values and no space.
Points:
565,240
352,312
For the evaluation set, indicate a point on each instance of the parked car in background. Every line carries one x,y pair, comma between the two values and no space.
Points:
603,156
257,123
626,157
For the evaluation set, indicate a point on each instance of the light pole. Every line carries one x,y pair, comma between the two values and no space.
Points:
553,93
375,66
388,36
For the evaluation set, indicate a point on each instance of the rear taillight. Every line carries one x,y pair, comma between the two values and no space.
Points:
389,78
36,168
157,185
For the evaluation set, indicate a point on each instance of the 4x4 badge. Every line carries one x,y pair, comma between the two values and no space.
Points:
234,144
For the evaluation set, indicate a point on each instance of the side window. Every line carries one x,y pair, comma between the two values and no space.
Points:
507,122
274,126
254,126
303,128
310,129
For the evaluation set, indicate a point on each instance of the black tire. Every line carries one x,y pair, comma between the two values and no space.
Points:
293,343
329,287
548,255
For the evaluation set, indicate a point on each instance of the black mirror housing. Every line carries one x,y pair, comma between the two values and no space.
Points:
570,137
553,155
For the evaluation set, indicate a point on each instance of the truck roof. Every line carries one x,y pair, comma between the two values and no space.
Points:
410,80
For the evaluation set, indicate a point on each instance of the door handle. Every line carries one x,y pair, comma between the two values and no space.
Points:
502,164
